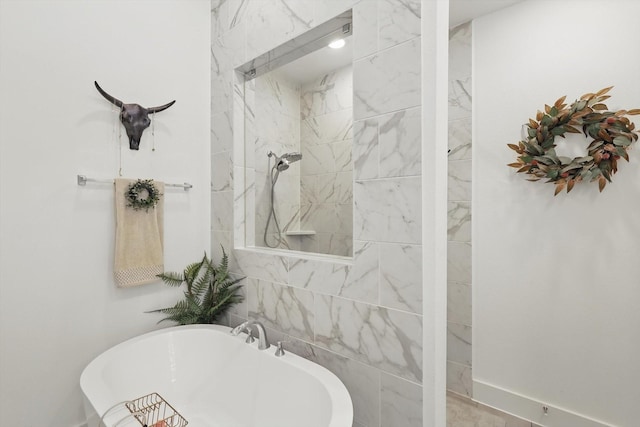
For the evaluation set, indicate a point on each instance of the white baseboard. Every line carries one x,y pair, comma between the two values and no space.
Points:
530,409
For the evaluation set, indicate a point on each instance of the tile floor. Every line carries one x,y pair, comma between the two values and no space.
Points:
464,412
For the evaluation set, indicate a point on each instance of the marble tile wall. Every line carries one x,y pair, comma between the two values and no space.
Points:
275,103
360,317
326,138
459,213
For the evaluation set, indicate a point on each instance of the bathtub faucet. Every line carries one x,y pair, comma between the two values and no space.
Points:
263,342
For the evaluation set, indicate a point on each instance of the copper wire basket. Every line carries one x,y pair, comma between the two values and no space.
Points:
153,411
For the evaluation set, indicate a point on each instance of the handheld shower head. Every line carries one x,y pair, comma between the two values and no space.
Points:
282,165
292,157
283,162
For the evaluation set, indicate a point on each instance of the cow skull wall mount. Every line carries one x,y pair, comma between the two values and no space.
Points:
134,117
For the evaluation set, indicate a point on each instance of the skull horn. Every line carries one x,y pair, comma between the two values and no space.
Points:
133,117
110,98
153,110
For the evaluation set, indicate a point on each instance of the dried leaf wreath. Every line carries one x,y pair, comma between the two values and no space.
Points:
612,134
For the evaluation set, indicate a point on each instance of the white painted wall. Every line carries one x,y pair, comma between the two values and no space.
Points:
59,306
556,279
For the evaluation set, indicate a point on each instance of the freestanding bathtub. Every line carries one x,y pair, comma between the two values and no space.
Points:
214,379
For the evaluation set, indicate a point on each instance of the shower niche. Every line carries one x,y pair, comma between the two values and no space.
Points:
298,132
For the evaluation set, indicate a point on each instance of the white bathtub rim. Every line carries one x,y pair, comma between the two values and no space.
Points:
341,404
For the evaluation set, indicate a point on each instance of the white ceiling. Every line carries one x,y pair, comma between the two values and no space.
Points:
325,60
461,11
322,61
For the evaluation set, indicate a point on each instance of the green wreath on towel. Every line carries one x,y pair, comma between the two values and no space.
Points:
142,194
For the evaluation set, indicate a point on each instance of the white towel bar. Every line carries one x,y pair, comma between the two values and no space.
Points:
82,180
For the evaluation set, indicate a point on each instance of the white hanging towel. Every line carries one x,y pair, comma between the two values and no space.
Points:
139,253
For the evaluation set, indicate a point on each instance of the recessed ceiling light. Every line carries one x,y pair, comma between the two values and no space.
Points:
337,44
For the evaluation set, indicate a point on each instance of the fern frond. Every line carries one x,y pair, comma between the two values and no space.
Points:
202,283
209,295
192,271
210,291
224,263
223,302
171,278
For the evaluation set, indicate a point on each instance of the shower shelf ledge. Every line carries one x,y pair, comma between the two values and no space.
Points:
300,233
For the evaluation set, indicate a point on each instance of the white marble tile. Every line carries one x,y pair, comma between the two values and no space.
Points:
326,9
317,159
326,277
232,48
460,98
327,218
464,412
327,188
400,143
325,158
459,262
271,268
459,221
400,401
271,23
275,93
326,128
219,17
398,21
387,81
277,132
459,185
460,139
286,203
459,343
240,309
237,12
244,212
221,94
388,210
221,132
222,210
221,171
330,93
459,303
244,104
362,381
223,239
365,149
365,28
387,339
335,244
342,154
308,243
461,414
362,281
459,379
401,277
262,205
460,51
285,308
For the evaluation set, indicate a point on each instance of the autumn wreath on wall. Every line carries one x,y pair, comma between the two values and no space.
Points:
611,134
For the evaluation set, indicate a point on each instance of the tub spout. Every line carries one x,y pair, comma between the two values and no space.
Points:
263,342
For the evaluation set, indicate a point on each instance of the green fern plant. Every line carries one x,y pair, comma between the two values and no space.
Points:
209,292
